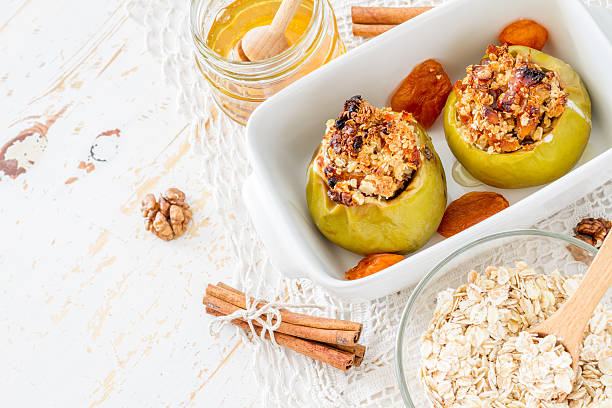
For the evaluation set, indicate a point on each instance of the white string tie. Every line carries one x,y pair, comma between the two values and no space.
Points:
268,317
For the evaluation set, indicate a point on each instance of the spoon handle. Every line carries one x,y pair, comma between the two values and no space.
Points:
577,310
284,14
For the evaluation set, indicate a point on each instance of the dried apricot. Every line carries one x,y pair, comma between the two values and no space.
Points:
423,92
470,209
524,32
372,264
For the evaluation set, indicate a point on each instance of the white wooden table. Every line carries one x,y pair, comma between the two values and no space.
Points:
94,310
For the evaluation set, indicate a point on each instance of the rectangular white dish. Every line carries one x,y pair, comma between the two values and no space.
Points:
283,133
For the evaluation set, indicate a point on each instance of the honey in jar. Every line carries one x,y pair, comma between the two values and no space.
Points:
239,87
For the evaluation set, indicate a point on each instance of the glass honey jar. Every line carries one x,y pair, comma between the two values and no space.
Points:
239,87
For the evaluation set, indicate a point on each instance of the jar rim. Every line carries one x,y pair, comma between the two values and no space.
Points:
254,70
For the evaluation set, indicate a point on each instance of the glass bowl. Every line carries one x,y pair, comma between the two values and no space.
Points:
544,251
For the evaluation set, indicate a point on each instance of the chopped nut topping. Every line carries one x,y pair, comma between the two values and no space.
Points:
167,217
368,154
506,104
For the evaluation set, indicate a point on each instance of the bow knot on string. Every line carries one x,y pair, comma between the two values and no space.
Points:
267,316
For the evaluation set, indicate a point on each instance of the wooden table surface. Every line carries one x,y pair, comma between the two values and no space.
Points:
95,311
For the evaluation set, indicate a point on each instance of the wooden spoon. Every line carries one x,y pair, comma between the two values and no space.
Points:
267,41
568,323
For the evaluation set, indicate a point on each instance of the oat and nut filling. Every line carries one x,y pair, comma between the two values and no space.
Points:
368,154
507,103
477,351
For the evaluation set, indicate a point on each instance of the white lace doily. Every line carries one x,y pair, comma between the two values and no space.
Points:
225,165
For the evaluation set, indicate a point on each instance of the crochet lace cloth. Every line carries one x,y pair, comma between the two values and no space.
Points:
287,378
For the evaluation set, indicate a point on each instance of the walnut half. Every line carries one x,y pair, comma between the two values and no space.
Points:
593,231
167,217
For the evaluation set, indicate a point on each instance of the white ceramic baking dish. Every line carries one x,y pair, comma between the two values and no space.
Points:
283,133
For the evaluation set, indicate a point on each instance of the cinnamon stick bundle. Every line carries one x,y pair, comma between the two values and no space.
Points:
342,337
331,341
372,21
340,359
237,298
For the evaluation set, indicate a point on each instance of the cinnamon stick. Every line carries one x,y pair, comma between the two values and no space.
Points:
332,336
357,349
385,15
329,355
237,298
228,287
370,30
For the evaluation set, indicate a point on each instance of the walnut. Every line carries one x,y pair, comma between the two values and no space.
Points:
167,217
164,207
149,207
162,228
593,231
179,218
174,196
580,254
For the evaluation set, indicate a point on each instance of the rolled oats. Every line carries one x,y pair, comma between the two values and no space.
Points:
477,351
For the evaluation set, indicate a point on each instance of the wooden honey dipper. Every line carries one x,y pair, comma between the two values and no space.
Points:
267,41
